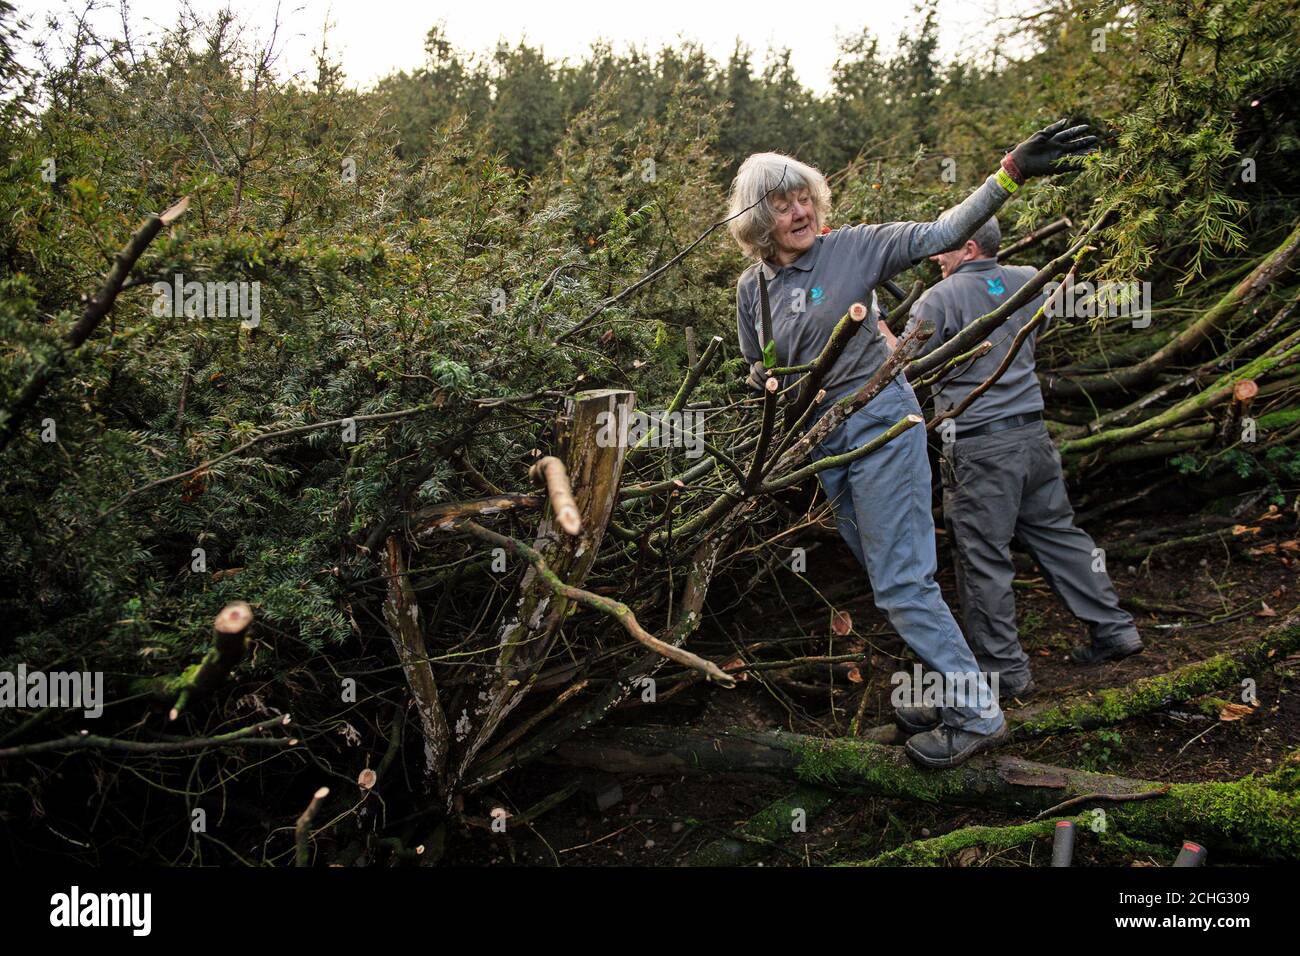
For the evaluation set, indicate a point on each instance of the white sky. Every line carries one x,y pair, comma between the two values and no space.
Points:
375,37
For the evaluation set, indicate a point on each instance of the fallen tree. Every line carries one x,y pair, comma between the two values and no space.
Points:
1253,818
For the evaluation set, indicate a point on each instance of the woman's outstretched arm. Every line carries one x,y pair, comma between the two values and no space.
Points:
1051,150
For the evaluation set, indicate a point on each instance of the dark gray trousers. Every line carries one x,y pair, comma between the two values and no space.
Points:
1010,484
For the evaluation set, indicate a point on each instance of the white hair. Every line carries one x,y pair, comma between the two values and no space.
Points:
761,178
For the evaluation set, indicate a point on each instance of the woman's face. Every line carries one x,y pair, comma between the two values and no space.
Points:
796,225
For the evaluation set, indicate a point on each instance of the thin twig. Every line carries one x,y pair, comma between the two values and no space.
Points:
650,277
1108,797
92,742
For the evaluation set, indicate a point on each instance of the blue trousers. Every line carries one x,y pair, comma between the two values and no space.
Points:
882,508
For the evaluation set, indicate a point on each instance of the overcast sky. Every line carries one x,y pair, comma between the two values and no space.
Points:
375,37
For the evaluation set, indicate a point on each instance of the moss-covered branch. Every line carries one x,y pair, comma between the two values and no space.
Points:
936,851
1282,353
229,641
1146,695
1247,818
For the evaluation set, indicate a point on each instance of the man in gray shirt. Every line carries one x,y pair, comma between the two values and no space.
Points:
1002,474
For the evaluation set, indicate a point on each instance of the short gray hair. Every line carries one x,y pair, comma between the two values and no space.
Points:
987,238
760,178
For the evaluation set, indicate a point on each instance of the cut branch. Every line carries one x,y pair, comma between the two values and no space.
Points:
836,461
402,615
1016,344
551,470
229,642
845,407
245,735
302,829
811,384
984,326
1034,238
98,306
1182,345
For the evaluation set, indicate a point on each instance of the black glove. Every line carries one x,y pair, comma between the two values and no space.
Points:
757,381
1053,150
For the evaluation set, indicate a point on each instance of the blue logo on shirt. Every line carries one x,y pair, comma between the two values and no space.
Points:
816,293
996,287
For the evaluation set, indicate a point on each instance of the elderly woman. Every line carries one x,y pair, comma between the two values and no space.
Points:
882,501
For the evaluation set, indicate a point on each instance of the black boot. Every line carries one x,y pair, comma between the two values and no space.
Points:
1097,653
946,746
1022,693
916,720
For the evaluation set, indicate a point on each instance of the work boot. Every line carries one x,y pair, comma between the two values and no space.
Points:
916,720
946,746
1097,653
1022,693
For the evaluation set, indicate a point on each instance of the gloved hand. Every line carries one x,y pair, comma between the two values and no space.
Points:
757,378
1054,149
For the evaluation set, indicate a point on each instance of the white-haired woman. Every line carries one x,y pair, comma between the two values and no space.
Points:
882,501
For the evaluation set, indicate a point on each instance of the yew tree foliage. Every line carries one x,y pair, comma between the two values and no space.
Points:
1199,99
420,246
428,283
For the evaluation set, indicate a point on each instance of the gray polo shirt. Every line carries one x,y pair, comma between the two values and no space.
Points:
974,289
809,296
